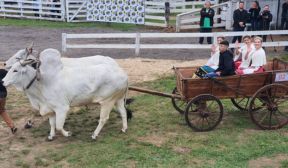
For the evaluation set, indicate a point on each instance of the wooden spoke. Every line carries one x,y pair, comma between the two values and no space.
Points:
209,110
274,98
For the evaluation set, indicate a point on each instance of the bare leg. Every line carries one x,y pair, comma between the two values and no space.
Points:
52,121
104,116
121,108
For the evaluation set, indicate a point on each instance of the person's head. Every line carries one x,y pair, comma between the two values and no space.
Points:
224,45
258,42
207,4
266,8
255,4
247,40
241,5
220,39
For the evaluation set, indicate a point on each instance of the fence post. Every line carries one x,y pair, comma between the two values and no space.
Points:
167,13
215,38
229,16
63,10
137,44
64,42
178,23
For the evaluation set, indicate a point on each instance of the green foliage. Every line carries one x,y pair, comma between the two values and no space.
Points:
284,164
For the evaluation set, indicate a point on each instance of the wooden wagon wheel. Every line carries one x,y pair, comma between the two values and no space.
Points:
269,107
241,103
204,112
178,104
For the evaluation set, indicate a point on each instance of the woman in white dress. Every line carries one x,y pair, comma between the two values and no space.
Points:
244,54
213,61
258,59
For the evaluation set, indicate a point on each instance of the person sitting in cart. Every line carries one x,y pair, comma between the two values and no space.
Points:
226,62
258,59
213,61
244,53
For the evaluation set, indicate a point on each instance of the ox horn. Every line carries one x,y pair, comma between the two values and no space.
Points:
27,62
30,48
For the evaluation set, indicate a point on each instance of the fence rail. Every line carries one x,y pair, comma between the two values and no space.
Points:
155,11
39,9
137,46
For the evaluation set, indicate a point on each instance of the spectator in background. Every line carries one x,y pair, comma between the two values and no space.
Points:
206,21
240,17
264,19
254,12
284,18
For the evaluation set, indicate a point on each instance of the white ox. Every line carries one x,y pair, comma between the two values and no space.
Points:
61,87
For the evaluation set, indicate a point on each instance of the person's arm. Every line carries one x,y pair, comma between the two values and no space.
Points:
203,12
220,67
211,13
270,17
228,64
235,17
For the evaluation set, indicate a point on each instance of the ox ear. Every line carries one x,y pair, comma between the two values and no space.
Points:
29,49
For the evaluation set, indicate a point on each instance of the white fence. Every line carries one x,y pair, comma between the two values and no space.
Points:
33,9
138,36
155,10
190,20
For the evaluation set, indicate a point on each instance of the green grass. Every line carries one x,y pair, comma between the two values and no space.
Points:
155,135
54,24
284,57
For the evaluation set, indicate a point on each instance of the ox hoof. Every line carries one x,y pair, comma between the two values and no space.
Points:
123,130
50,138
67,134
94,137
28,125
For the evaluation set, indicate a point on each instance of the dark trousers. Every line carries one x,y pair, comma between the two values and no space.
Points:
205,30
239,38
284,21
254,25
264,37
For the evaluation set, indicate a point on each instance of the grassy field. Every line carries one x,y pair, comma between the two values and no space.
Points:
157,137
54,24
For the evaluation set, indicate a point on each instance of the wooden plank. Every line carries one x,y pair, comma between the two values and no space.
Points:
155,24
153,92
100,35
155,17
174,46
103,46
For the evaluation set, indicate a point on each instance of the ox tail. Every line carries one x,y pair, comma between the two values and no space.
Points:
127,102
